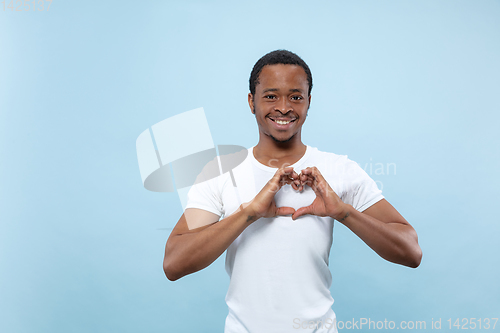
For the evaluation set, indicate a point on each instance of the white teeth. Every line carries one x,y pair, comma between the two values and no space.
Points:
281,122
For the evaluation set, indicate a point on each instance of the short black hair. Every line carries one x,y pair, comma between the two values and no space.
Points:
278,57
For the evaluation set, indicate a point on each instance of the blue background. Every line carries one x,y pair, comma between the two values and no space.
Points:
414,83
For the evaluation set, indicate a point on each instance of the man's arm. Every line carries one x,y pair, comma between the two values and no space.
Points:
380,226
385,231
188,251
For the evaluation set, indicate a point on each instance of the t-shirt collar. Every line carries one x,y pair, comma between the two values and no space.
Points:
296,165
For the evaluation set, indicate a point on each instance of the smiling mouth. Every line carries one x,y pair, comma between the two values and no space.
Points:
283,121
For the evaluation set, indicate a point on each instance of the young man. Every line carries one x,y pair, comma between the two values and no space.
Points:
278,237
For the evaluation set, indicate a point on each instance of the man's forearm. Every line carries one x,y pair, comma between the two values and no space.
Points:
394,241
192,251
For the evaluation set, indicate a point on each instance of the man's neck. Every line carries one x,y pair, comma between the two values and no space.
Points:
277,154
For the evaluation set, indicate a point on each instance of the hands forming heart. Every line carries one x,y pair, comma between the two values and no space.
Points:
326,203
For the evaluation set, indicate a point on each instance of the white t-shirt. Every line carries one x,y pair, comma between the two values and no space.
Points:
278,268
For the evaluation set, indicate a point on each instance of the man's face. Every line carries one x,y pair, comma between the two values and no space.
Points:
281,102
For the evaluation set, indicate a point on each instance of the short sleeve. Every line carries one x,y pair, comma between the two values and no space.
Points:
361,191
207,196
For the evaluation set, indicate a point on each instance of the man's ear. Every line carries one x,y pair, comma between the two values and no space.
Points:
309,102
250,102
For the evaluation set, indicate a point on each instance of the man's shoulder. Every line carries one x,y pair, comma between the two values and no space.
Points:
334,164
328,157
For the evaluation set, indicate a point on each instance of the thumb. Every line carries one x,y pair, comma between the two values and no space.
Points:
302,211
284,211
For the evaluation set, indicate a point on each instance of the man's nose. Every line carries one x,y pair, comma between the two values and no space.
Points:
284,105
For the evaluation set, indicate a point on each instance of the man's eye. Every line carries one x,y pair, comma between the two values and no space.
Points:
270,96
297,98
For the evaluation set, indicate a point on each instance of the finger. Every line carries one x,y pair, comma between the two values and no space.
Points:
307,180
280,211
316,174
300,182
313,171
303,177
306,171
294,174
285,179
295,180
319,184
302,211
291,173
287,170
289,176
275,183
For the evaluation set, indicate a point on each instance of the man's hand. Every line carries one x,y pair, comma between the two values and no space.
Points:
190,250
327,202
380,226
263,205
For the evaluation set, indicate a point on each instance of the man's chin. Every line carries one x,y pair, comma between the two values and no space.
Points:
282,140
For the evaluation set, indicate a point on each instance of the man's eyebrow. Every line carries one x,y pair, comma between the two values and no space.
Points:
276,89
